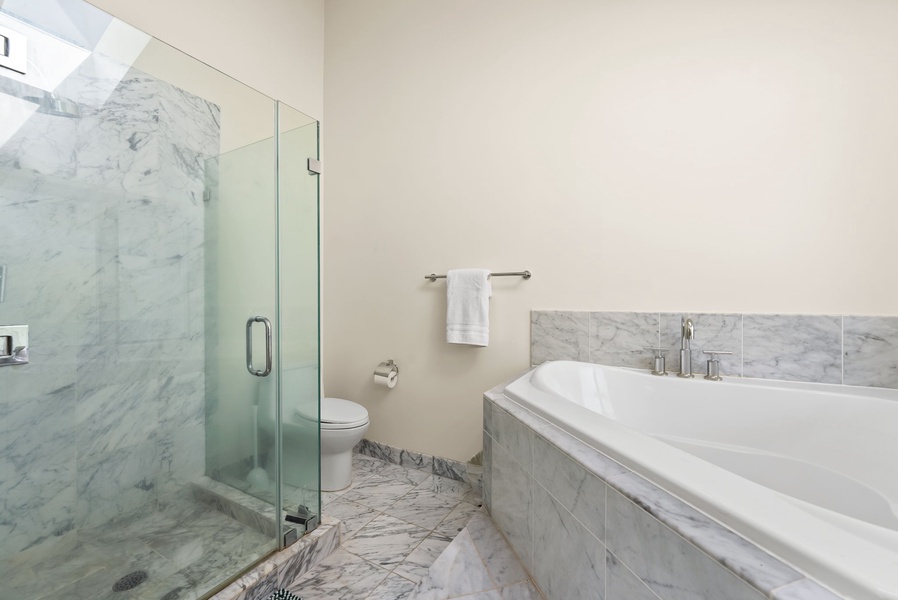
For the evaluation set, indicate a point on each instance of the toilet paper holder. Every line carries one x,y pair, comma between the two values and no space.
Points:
385,368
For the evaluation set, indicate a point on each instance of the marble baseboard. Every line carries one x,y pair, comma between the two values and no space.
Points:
568,504
853,350
443,467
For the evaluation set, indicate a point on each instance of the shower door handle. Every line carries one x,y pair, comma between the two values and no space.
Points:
249,346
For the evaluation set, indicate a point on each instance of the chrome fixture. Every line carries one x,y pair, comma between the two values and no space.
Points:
13,345
714,364
51,104
314,166
249,346
687,335
524,274
659,368
13,50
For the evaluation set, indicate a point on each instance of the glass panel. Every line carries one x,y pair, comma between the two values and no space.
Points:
298,296
138,234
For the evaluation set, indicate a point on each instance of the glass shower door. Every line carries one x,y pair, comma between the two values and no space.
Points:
142,233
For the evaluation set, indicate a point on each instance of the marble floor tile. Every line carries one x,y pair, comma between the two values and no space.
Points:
416,565
378,492
456,520
393,587
458,571
386,541
422,507
341,575
501,561
353,516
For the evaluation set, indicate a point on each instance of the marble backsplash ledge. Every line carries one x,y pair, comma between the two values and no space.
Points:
853,350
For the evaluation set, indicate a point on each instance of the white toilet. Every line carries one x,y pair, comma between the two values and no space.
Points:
343,424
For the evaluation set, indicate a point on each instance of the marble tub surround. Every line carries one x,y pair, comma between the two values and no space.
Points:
627,537
478,563
396,521
852,350
441,467
793,347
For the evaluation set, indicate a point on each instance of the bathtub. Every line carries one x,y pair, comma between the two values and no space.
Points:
808,472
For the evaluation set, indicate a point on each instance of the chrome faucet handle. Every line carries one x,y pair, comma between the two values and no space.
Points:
688,329
659,361
714,364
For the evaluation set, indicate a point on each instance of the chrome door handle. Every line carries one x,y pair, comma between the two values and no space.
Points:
249,346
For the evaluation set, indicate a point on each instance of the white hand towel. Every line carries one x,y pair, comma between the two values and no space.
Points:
468,294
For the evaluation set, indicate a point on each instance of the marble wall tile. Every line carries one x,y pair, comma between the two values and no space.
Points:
568,561
116,483
733,551
487,415
488,461
558,335
712,332
620,339
793,347
871,351
672,567
514,437
580,492
512,503
622,584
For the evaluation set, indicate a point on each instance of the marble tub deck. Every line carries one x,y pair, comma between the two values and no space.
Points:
396,522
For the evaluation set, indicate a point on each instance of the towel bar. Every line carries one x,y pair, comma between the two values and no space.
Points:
524,274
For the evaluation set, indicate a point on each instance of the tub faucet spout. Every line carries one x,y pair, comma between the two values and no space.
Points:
688,334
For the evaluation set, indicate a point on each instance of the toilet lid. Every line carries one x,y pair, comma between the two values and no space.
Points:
337,413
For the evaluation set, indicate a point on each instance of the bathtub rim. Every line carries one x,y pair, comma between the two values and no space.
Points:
556,423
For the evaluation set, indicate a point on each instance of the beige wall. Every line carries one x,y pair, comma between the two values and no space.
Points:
275,46
635,155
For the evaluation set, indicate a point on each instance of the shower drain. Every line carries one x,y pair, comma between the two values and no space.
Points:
130,581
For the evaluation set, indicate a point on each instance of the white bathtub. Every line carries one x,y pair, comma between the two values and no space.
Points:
807,471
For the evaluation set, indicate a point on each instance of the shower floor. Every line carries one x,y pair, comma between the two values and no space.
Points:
186,549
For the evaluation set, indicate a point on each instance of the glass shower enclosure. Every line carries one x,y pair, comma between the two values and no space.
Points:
159,327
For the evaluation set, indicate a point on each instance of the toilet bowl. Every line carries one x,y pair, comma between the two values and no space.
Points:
342,425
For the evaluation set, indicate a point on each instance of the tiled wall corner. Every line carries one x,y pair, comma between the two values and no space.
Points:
870,347
620,339
713,331
558,335
793,347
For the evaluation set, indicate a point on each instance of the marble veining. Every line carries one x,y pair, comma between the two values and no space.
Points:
871,351
740,556
558,335
620,338
793,347
115,197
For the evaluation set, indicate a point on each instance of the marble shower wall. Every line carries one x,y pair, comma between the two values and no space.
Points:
818,348
102,236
